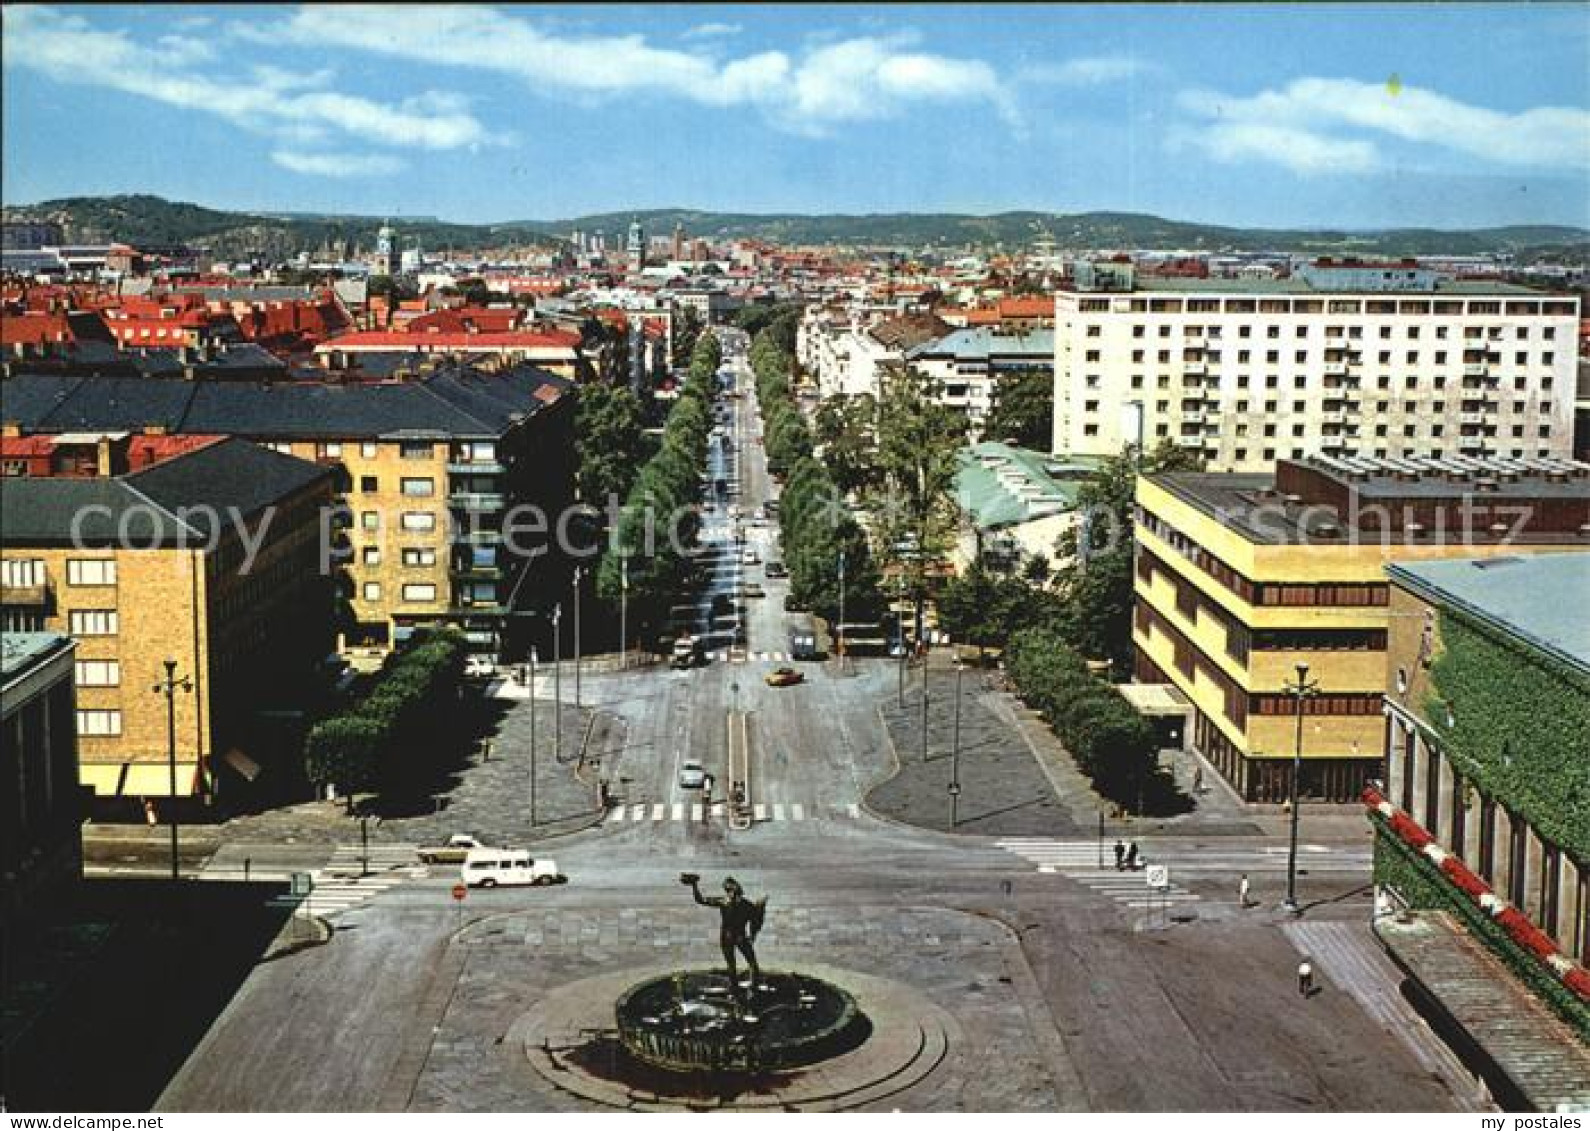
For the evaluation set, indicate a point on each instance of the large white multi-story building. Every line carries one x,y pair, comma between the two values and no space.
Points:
1342,358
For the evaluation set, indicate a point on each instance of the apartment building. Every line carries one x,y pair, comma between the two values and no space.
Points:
1506,810
969,363
428,467
1342,358
1241,576
210,558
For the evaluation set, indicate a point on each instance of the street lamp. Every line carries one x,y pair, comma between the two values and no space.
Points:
955,749
169,687
841,636
1302,689
532,690
623,611
557,684
578,573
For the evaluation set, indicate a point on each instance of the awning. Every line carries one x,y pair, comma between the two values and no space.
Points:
138,779
242,763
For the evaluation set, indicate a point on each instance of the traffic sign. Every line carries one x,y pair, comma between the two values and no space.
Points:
1158,876
459,892
302,883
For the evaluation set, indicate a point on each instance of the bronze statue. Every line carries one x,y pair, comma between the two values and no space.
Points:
741,920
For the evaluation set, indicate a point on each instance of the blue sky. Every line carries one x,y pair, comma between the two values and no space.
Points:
1320,115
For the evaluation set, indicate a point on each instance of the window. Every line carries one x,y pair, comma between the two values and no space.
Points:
419,488
90,571
368,450
93,622
99,724
1091,355
99,673
415,449
369,484
419,592
1093,331
372,590
419,520
22,573
372,555
419,556
331,451
370,520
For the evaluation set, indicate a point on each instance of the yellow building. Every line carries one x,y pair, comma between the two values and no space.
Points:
210,558
1240,577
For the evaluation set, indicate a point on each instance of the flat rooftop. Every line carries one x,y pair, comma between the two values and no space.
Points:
21,650
1537,597
1447,288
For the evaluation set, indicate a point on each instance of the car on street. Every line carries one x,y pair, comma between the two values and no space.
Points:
508,867
752,589
784,677
686,653
455,851
750,557
775,568
479,666
692,775
803,645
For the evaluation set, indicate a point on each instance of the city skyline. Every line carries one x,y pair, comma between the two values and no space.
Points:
1470,116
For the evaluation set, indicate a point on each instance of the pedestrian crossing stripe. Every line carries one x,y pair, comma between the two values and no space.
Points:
678,812
737,656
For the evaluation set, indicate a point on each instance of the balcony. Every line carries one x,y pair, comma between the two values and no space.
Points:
477,500
1476,369
1336,416
1472,418
479,538
467,571
1194,342
25,596
482,467
1194,368
1194,441
1335,343
1474,443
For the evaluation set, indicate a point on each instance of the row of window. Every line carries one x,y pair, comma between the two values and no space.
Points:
415,591
470,452
1273,357
1335,389
409,520
412,556
414,488
28,573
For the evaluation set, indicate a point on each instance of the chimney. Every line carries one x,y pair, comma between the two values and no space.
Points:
154,430
10,429
105,457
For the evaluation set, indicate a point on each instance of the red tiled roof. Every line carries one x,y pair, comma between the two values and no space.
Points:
444,340
34,327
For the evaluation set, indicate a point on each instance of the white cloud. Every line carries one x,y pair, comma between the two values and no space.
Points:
1310,114
1296,149
850,80
712,31
1094,70
67,48
338,164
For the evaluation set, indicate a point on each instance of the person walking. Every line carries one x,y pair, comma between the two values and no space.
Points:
1131,857
1305,977
1198,779
1244,890
1120,854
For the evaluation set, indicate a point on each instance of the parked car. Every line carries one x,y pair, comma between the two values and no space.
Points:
750,557
752,589
508,867
775,568
692,775
803,645
784,677
479,666
686,653
455,851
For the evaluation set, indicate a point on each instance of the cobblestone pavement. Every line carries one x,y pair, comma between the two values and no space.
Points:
1004,792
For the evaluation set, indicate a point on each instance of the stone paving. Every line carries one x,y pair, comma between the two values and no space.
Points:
959,961
1004,791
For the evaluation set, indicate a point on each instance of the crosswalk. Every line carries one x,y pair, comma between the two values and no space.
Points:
1079,860
341,885
742,656
684,812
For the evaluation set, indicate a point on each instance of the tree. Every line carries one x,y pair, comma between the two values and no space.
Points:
1023,410
846,432
610,425
686,332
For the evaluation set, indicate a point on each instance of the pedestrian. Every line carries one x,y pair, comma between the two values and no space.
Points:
1305,977
1120,854
1198,779
1243,889
1131,857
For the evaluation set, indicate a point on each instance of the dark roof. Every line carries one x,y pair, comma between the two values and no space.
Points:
185,496
456,401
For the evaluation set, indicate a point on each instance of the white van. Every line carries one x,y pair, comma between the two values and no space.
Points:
507,867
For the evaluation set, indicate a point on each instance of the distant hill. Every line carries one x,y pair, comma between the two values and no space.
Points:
1076,230
151,219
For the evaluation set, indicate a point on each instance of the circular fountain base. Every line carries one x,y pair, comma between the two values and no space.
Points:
696,1021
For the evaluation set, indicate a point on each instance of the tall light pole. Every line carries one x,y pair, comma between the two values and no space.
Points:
578,572
899,622
532,737
557,684
169,686
1301,690
955,751
623,611
841,636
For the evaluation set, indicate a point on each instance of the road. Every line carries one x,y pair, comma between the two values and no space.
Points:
1069,986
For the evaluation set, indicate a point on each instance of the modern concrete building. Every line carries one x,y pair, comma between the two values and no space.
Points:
969,364
41,809
1240,577
1380,360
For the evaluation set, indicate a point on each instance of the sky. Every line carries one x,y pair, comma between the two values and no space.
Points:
1348,116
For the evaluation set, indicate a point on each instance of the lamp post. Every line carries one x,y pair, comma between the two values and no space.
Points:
841,637
532,737
1301,690
169,686
579,575
900,629
557,684
623,611
955,750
